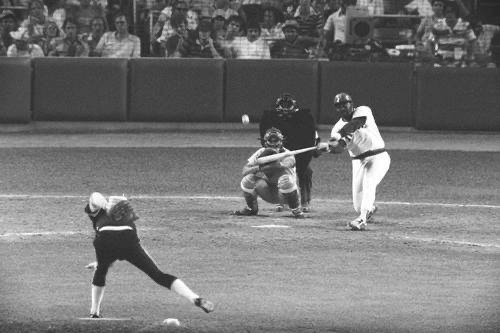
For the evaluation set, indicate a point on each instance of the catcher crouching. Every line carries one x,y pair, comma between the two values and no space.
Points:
274,182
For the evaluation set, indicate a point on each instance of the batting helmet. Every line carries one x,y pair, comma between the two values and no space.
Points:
343,104
286,104
273,138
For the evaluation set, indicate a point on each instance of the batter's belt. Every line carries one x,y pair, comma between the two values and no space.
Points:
369,153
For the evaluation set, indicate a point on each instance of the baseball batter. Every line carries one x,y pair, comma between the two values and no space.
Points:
116,239
357,132
275,182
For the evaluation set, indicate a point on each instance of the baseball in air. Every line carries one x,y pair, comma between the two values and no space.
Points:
172,322
245,120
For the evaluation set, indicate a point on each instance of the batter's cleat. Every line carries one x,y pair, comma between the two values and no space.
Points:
246,212
369,216
297,213
280,208
358,224
306,209
94,316
205,305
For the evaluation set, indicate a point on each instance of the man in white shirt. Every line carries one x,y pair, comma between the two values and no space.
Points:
251,46
357,132
119,43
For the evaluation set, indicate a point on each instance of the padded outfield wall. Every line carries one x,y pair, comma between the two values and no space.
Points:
208,90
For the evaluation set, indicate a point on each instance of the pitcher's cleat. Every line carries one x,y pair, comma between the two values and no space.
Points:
246,212
280,208
205,305
94,316
297,213
369,216
357,224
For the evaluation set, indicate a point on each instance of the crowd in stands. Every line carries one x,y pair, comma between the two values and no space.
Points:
446,33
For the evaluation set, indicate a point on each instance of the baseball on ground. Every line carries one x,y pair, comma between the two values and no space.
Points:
172,322
244,119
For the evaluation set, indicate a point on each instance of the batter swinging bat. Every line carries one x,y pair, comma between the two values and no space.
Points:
280,156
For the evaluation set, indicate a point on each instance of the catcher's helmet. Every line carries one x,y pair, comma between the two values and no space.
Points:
343,104
286,104
273,138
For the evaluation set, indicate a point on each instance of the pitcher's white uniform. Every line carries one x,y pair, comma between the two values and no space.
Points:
370,161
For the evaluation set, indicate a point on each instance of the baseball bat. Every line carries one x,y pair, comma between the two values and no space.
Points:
280,156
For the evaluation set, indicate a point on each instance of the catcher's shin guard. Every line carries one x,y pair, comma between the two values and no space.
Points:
292,199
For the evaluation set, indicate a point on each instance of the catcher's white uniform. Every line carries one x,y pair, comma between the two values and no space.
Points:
370,161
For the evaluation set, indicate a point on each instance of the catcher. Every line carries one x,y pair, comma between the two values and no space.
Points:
274,182
299,130
116,239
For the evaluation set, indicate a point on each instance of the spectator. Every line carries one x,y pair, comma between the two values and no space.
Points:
174,43
251,46
419,7
50,33
289,9
98,25
293,46
310,22
272,29
234,29
203,7
452,38
222,7
201,45
8,21
84,14
482,47
36,21
335,25
218,25
495,49
426,24
71,45
119,43
57,12
22,46
375,7
163,24
251,10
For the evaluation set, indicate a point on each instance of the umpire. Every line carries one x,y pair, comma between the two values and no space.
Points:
299,130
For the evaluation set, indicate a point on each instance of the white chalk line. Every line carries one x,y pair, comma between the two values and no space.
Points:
214,197
180,197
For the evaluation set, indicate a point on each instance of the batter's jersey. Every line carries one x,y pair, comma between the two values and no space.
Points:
365,138
273,177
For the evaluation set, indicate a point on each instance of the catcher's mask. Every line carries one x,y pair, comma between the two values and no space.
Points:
344,106
273,139
286,105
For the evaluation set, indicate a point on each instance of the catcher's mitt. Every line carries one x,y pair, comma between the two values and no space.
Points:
123,213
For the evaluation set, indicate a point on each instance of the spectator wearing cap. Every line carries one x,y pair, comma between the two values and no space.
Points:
293,46
8,21
252,46
272,25
202,45
218,24
22,46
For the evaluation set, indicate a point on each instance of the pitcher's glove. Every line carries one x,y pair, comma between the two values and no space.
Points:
123,212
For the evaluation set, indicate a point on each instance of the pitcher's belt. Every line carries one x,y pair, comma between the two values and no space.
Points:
369,153
115,228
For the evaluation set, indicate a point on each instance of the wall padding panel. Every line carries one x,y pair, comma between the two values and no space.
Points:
254,85
458,99
176,90
15,90
75,89
384,87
